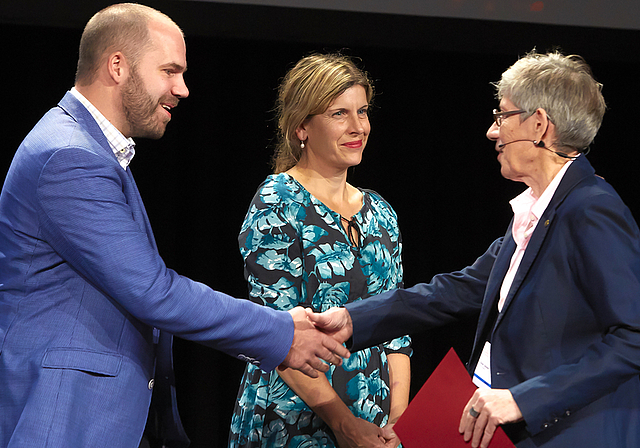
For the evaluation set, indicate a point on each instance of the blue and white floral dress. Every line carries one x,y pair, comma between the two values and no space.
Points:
296,252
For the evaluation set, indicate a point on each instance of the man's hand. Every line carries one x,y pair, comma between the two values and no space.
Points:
335,322
310,346
491,407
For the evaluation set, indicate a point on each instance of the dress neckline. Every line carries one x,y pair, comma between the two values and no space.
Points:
358,215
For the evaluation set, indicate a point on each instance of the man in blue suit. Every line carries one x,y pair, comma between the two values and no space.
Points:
557,348
87,306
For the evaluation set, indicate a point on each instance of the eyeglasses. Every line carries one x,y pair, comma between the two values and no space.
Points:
499,117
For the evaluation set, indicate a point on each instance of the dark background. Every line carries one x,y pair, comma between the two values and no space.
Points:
427,155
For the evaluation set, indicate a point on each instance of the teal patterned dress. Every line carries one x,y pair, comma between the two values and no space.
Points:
297,253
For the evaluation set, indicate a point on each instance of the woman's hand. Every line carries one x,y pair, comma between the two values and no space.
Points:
391,438
491,408
358,433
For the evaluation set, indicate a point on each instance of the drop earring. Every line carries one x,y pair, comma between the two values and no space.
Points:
301,144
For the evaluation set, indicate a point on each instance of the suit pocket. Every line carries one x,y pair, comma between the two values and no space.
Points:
99,363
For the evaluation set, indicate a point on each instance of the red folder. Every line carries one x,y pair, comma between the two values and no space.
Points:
433,416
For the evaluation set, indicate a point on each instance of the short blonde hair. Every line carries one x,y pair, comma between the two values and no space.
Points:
306,90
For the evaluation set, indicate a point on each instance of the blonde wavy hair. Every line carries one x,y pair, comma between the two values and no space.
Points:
308,89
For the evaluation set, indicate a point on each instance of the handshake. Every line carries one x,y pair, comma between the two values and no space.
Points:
317,338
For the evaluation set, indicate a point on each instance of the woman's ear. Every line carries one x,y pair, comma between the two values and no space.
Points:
301,133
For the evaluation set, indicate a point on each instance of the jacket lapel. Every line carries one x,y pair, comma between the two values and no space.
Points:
83,117
490,302
579,170
498,272
139,212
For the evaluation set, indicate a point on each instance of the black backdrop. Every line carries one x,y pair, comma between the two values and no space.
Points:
427,155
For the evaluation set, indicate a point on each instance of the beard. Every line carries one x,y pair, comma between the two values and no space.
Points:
140,109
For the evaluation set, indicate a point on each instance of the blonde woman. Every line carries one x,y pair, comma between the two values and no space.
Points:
312,239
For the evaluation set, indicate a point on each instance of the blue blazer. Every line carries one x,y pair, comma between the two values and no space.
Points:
82,288
567,342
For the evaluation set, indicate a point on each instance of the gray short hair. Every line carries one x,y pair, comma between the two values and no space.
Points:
561,85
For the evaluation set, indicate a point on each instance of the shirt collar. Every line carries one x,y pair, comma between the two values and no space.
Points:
527,209
122,147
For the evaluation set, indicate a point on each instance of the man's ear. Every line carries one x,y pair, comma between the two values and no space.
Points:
117,67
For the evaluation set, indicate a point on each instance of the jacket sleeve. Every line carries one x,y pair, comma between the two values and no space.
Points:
447,298
88,220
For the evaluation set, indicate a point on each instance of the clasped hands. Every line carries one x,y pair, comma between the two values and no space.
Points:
319,337
336,323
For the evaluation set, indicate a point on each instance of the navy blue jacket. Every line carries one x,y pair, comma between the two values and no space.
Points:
567,342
